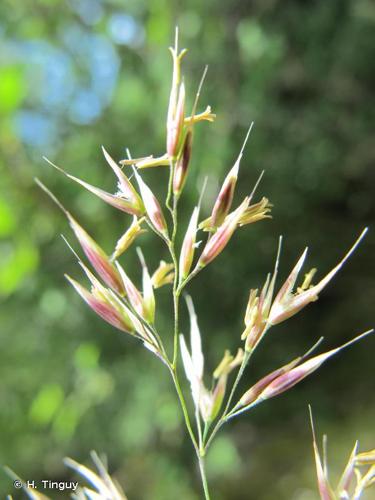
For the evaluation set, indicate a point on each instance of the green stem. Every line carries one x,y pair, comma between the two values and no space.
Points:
184,409
216,429
203,477
223,419
176,299
236,382
237,410
186,280
170,185
148,326
176,291
199,448
205,432
199,429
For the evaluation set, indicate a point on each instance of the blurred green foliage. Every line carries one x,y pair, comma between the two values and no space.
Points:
81,73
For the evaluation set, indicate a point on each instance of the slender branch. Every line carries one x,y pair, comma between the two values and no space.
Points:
172,251
176,300
199,429
186,280
237,411
170,185
147,326
244,363
199,447
222,420
184,409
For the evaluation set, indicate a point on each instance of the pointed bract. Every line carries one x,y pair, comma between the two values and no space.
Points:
188,245
103,308
195,340
95,254
132,292
123,204
175,116
176,123
256,390
348,474
152,206
126,187
224,200
147,161
287,304
291,378
323,484
97,257
128,237
148,290
182,164
218,397
220,239
365,458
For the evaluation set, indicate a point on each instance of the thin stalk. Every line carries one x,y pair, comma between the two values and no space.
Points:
147,326
184,409
203,477
170,185
199,429
199,447
237,381
176,301
186,280
235,411
205,431
225,415
176,291
216,429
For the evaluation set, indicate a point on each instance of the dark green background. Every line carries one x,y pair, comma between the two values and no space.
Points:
81,73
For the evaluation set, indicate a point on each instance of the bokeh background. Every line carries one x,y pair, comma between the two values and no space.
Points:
77,74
